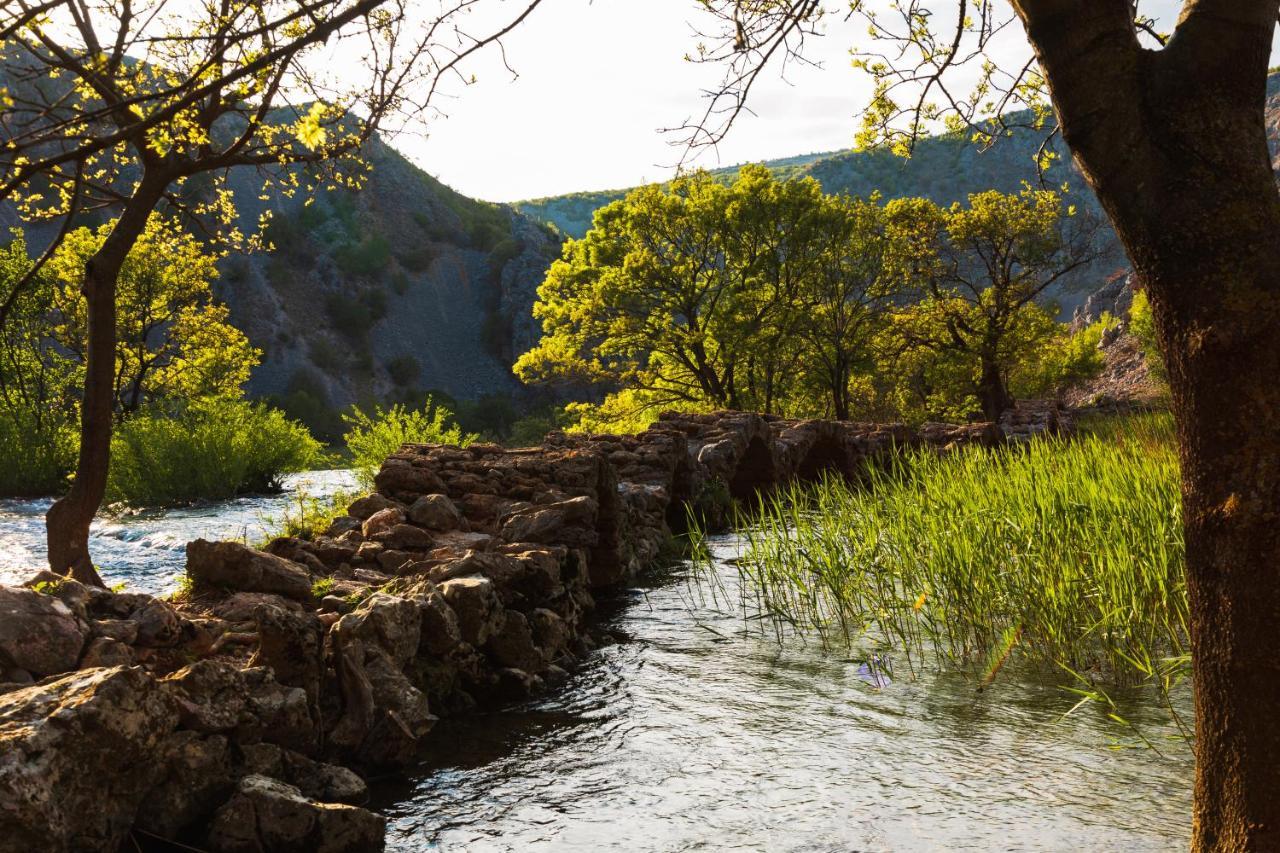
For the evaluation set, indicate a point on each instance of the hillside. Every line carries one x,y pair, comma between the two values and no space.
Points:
380,294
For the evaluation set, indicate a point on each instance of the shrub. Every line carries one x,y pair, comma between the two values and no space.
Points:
373,436
403,369
1142,323
211,450
371,255
35,457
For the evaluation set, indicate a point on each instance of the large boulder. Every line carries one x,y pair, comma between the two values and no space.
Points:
78,756
198,777
38,633
435,512
384,714
567,522
267,815
476,604
238,567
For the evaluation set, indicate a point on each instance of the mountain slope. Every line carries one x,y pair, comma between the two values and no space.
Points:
376,294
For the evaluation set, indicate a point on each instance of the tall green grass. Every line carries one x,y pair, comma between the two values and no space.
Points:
1065,553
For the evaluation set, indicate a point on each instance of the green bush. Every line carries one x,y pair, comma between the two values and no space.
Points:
403,369
35,458
373,436
371,255
1142,323
211,450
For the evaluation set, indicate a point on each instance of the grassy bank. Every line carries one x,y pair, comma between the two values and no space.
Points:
1064,553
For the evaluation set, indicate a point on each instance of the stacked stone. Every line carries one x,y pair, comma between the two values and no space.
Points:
466,579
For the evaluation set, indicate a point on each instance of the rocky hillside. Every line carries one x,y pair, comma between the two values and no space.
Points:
380,294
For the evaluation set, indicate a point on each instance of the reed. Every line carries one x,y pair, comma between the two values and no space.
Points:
1064,553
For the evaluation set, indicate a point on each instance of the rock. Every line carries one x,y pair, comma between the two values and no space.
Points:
382,521
336,604
291,644
267,815
210,695
512,646
552,524
277,713
404,537
435,512
440,632
476,604
158,625
124,630
241,606
384,715
342,524
105,651
38,632
197,778
238,567
368,505
328,783
550,633
325,782
78,755
398,478
516,684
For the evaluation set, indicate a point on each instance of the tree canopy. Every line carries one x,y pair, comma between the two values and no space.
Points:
768,294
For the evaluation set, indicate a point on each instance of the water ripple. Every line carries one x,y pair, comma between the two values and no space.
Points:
692,736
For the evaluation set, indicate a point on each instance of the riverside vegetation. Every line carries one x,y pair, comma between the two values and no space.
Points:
1063,553
770,295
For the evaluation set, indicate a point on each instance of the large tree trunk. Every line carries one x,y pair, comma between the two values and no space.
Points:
1174,142
68,520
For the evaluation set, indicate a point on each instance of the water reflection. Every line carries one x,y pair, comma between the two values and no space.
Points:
147,551
696,736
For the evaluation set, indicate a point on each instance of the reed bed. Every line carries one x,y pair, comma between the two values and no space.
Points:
1063,553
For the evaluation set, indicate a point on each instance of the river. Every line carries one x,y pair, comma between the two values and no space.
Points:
694,733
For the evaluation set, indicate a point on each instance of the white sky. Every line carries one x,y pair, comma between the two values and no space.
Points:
599,78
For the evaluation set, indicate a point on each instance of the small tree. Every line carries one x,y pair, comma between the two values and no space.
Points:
978,271
172,338
129,106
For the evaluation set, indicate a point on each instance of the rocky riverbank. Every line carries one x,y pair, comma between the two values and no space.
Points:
239,716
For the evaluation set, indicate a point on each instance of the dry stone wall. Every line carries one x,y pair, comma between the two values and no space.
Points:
229,719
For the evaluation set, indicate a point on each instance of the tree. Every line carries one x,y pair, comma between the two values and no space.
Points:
37,412
128,106
844,300
645,300
172,338
1171,135
704,295
977,272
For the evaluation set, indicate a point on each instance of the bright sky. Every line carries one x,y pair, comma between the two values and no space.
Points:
597,81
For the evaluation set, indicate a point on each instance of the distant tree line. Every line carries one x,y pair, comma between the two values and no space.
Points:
770,295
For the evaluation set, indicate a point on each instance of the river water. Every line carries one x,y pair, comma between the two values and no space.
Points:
694,733
146,551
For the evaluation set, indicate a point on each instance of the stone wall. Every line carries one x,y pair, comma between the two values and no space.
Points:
228,719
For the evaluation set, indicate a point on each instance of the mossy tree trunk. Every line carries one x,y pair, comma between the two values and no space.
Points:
1175,144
